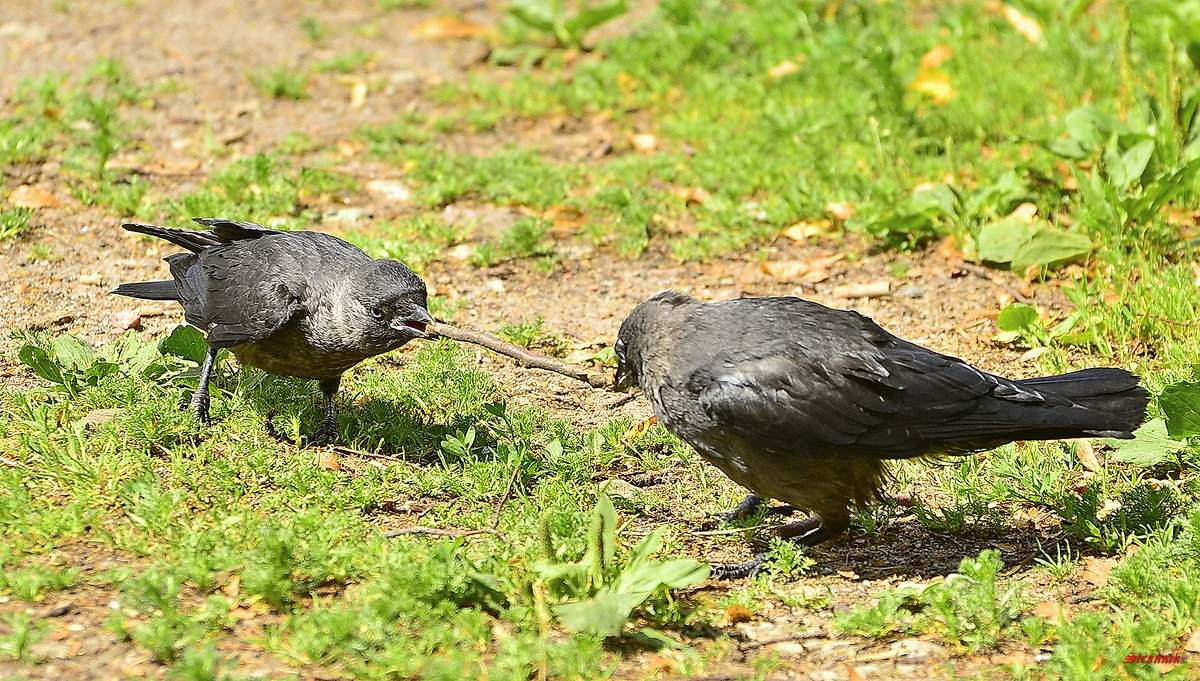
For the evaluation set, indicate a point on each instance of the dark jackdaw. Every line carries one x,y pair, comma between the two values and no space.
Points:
802,403
301,304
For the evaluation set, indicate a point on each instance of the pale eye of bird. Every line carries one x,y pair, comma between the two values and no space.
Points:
376,313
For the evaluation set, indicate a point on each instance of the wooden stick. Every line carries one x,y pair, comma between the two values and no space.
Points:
522,355
437,532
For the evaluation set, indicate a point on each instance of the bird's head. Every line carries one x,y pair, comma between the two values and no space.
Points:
389,303
639,331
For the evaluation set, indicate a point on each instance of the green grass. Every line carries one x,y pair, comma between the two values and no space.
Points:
1095,125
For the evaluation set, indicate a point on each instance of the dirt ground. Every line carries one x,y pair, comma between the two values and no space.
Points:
206,46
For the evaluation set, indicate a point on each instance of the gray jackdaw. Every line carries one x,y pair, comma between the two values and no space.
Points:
805,404
299,303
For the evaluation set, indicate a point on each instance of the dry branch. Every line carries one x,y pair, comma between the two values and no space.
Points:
522,355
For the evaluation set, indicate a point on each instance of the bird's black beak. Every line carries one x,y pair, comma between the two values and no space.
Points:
414,323
622,378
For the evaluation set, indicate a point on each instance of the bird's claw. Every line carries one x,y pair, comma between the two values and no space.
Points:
323,435
199,409
750,568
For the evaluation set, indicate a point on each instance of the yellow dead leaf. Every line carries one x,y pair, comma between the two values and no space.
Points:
644,142
935,84
1027,27
446,28
783,68
692,196
1025,210
848,574
936,56
29,196
636,430
358,95
821,227
841,211
853,675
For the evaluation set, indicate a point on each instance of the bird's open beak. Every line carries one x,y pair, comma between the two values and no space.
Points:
415,323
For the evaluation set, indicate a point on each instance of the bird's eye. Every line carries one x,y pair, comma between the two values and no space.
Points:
376,313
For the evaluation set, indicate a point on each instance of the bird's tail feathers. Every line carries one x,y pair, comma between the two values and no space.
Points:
149,290
191,239
1112,401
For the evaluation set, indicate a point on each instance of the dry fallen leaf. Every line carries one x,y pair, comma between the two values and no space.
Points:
123,320
841,211
935,84
692,196
738,613
811,271
446,28
1096,570
1027,27
328,459
1193,642
853,675
1196,271
1026,211
936,56
644,142
1087,455
874,289
29,196
783,68
636,430
820,227
1051,610
848,574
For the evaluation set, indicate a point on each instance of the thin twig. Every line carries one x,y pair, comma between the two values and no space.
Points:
512,479
438,532
522,355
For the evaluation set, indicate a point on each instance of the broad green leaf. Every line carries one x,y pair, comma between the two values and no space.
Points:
999,241
1017,317
603,615
186,342
1151,445
39,360
1136,158
1050,248
1180,403
651,576
592,16
537,13
72,353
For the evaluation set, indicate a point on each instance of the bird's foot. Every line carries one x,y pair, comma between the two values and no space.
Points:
750,568
199,407
744,510
323,435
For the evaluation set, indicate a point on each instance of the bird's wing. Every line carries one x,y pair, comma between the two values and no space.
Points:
252,288
847,386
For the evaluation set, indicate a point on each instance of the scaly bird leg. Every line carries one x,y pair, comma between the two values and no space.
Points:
200,398
811,531
327,431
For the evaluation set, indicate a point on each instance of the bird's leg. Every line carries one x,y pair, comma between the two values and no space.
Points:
808,532
200,397
747,508
328,428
